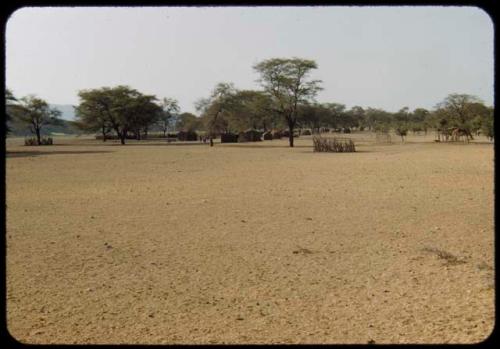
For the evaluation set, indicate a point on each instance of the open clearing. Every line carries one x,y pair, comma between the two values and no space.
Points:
250,243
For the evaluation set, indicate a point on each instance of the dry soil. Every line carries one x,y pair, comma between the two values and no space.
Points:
250,243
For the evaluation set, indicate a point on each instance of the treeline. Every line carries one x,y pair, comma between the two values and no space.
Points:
286,101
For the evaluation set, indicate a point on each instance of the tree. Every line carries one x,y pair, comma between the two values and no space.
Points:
188,122
487,125
170,107
92,114
357,115
10,108
313,115
458,110
249,109
418,120
120,108
377,119
35,113
215,107
286,81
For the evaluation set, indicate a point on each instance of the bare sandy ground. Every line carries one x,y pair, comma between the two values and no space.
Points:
250,243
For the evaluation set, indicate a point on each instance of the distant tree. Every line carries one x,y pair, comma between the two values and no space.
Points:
250,109
401,122
357,115
418,120
170,107
35,113
94,111
188,122
377,119
218,106
120,108
487,125
285,80
142,113
314,116
458,110
338,117
11,104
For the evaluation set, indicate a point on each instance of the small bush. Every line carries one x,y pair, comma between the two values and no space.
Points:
306,132
43,141
336,145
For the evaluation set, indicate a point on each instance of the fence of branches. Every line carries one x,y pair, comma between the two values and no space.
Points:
333,144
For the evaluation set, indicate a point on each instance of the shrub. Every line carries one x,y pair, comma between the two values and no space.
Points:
43,141
306,132
336,145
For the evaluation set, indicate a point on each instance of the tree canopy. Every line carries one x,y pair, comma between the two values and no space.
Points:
286,81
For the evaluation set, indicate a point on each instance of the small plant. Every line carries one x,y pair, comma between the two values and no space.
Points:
335,145
449,258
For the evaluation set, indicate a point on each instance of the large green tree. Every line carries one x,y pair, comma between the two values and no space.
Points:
287,81
120,108
35,113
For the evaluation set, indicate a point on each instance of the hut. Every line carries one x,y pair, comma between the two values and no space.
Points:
267,136
229,137
250,135
187,136
276,134
286,133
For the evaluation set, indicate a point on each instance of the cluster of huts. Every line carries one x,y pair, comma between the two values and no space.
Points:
249,135
252,135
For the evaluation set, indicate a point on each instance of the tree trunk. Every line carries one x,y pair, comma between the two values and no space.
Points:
103,134
290,135
38,136
122,136
164,133
211,141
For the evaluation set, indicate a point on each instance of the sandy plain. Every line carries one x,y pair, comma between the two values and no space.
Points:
151,243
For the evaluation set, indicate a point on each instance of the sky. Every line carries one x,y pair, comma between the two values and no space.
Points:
380,57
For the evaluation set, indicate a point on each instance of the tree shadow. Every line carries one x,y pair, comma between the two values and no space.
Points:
24,154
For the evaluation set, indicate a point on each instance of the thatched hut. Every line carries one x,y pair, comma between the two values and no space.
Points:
276,134
229,138
187,136
267,136
286,133
250,135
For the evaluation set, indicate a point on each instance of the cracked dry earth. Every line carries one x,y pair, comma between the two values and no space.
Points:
250,243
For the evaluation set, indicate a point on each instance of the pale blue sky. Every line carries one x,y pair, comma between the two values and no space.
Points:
386,57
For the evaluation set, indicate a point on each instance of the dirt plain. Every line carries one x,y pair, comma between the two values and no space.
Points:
155,243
